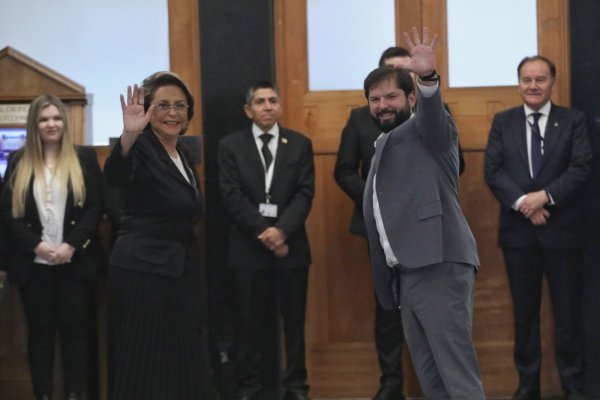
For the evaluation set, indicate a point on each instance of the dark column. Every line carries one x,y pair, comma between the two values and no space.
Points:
237,49
585,96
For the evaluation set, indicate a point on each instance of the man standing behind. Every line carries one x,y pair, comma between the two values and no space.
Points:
537,160
266,174
423,253
351,169
354,155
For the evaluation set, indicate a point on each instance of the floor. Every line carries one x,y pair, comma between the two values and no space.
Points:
421,398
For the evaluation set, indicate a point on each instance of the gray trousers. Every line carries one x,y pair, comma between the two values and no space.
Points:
437,313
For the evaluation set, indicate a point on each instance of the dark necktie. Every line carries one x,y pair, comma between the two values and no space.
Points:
266,138
536,145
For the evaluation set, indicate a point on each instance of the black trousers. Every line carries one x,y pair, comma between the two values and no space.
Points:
591,321
526,268
58,301
257,291
389,340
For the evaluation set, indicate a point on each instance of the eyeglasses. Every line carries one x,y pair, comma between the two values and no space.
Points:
164,108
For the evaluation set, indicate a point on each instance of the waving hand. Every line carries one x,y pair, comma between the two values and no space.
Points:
135,118
422,56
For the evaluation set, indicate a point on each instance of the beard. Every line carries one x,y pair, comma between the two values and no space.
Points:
400,117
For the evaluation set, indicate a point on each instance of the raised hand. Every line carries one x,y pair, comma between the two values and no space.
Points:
422,56
135,118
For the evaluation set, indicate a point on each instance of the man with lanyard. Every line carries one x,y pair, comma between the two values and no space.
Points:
266,175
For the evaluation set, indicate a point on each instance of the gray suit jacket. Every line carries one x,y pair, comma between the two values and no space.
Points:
416,167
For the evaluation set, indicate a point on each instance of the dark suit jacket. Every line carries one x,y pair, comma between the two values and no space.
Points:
565,169
354,160
242,181
79,228
416,167
159,208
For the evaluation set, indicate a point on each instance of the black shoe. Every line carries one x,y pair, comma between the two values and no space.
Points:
526,394
292,395
574,395
389,393
73,396
43,397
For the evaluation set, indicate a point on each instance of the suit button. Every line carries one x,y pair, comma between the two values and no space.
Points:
72,222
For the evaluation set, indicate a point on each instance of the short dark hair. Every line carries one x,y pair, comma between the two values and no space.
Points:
403,79
260,85
526,60
390,52
166,78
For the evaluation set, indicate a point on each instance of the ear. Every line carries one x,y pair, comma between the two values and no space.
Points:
248,111
412,99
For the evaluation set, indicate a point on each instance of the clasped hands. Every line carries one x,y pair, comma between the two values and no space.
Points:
532,207
274,239
59,255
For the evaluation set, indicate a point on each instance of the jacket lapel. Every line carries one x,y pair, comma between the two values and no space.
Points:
551,134
31,209
520,135
281,150
172,169
254,158
379,146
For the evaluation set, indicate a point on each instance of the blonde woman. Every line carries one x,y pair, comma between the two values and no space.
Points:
52,205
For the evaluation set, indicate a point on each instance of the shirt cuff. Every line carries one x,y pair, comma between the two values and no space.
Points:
517,203
428,91
550,199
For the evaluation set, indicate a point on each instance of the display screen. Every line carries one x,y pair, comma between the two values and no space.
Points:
11,139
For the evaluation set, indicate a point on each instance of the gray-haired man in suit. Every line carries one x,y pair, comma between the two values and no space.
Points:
537,161
423,253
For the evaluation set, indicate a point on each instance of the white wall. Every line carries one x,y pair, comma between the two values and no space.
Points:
102,45
345,40
486,40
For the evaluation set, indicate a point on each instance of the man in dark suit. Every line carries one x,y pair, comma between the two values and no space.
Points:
351,169
423,254
536,163
266,174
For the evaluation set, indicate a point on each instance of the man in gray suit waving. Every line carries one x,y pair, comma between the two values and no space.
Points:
422,251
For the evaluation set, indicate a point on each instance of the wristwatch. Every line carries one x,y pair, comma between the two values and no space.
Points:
432,77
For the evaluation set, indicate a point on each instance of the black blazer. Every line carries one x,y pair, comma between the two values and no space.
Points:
354,160
242,182
80,222
159,208
564,172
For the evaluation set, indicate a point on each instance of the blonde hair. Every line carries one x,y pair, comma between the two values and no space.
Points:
31,164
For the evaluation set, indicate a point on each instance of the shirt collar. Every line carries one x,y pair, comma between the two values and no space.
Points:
545,110
256,131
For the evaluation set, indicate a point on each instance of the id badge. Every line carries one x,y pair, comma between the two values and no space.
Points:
268,210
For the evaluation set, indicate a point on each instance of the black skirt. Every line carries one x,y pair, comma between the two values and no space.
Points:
157,338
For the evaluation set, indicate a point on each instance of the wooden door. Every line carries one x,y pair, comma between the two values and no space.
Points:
341,352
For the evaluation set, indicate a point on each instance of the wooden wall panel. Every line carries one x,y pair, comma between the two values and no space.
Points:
184,51
342,359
